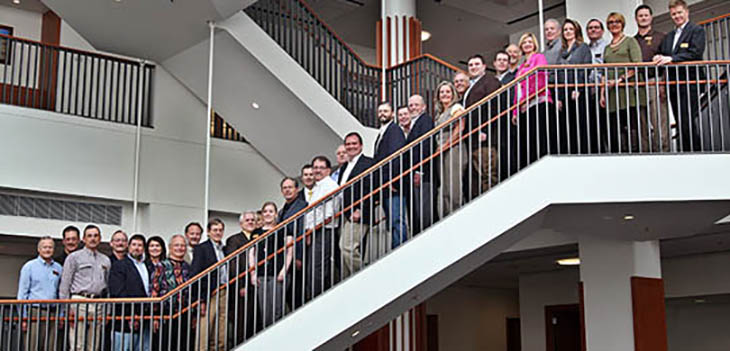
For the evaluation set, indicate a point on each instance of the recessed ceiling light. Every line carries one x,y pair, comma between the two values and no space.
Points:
17,2
117,0
255,106
700,301
573,261
628,217
425,35
356,333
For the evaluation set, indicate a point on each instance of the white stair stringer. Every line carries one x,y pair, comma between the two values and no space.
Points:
241,27
296,118
484,228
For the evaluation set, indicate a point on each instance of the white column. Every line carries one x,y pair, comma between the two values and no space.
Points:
606,268
582,11
396,43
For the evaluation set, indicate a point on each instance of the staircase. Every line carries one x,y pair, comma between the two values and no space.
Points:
495,215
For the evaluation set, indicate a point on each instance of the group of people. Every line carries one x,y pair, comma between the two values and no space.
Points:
377,211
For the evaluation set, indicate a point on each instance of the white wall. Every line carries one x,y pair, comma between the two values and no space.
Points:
10,272
472,318
62,154
698,327
696,275
540,290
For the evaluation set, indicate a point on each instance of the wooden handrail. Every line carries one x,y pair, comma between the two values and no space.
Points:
707,21
368,172
77,51
329,29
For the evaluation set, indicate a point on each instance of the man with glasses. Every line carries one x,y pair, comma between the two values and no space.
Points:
323,224
597,44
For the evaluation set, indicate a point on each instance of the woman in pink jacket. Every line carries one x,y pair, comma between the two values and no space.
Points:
535,105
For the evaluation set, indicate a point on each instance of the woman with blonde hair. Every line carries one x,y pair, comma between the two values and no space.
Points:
270,279
535,104
454,155
621,99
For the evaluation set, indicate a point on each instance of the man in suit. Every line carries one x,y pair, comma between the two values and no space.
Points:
292,205
425,176
685,43
212,332
246,301
193,233
341,156
461,83
128,278
356,224
391,139
483,145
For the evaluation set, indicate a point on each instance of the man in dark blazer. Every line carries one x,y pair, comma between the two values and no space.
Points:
425,177
390,139
685,43
239,264
293,204
129,278
484,145
357,220
207,254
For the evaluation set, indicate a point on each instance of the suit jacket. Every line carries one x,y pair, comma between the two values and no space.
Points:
486,85
125,281
483,87
296,227
204,257
690,47
423,150
359,188
233,243
392,140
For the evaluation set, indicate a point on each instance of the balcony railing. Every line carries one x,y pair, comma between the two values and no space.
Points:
459,160
75,82
717,37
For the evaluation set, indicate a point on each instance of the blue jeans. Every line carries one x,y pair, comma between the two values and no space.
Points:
395,209
131,342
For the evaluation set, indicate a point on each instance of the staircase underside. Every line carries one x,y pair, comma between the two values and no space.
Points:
669,196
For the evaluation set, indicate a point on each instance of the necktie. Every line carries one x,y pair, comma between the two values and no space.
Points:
309,195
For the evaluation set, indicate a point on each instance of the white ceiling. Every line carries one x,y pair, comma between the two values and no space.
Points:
479,25
461,28
28,5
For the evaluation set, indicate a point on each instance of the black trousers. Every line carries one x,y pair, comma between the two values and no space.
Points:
685,106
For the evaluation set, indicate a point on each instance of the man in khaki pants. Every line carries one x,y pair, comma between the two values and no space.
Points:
357,219
39,280
85,276
656,139
213,295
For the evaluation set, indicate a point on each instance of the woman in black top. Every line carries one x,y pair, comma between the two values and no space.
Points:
573,99
270,279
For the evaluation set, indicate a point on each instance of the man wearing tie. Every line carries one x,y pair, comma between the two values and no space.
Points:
685,43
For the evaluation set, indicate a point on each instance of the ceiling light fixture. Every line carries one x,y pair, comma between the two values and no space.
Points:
255,106
573,261
356,333
700,301
425,35
628,217
17,2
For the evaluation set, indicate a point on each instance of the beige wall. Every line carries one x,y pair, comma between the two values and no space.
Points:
477,321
